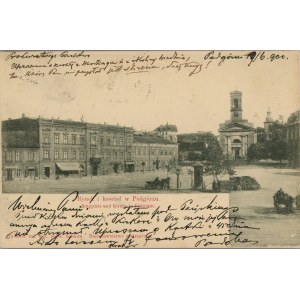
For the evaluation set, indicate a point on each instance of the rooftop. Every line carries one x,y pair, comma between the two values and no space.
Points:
146,139
167,127
19,123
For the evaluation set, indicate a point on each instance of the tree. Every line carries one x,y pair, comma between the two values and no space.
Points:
173,168
193,156
261,135
216,164
252,153
279,150
258,151
275,148
277,145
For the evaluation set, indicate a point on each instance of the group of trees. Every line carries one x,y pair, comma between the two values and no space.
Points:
214,160
274,148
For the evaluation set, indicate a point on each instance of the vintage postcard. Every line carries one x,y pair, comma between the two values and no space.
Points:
150,149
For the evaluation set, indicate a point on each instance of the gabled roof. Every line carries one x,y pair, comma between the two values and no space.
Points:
236,127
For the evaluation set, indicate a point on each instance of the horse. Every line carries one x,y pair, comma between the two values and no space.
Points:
153,184
165,183
286,200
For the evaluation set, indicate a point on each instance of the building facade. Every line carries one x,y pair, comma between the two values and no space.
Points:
152,152
236,134
293,139
44,148
167,132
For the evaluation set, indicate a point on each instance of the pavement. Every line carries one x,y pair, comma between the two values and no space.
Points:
276,229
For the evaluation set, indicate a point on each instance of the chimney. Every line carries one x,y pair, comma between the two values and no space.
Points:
23,116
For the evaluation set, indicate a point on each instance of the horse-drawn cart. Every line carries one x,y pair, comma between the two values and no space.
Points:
283,200
157,184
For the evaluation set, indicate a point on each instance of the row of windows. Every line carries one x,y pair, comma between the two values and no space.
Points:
116,154
16,156
64,154
93,139
115,141
65,139
157,152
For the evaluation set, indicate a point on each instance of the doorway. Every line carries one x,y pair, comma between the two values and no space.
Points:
47,172
116,168
236,153
9,174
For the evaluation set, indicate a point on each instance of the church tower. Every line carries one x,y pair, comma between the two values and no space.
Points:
268,123
236,106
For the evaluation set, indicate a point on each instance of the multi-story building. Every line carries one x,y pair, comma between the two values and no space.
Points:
167,132
293,139
152,152
43,148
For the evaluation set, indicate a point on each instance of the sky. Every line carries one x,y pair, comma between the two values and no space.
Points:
147,100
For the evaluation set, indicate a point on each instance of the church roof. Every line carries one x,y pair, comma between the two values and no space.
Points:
232,127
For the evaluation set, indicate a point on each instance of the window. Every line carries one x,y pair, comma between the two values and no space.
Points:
108,141
73,139
161,152
139,151
152,151
82,155
128,155
30,156
121,142
156,152
101,140
56,138
236,103
8,156
129,141
17,156
236,141
115,154
115,141
46,154
235,114
74,154
56,154
93,140
109,153
81,140
18,173
47,138
65,139
102,152
65,154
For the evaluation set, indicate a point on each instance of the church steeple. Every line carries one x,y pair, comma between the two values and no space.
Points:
268,123
236,106
269,116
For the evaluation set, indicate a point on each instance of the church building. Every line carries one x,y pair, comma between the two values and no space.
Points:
236,134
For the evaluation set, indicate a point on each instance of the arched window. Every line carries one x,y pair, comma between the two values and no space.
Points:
236,141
